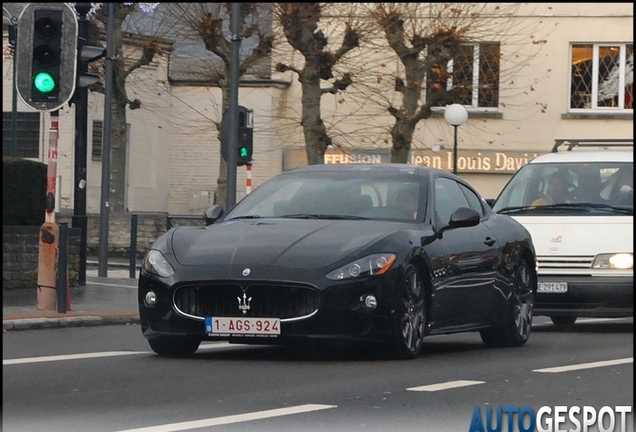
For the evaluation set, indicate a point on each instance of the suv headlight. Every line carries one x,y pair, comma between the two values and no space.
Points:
622,261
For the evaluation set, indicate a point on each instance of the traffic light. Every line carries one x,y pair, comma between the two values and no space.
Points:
245,139
245,134
46,55
47,45
85,55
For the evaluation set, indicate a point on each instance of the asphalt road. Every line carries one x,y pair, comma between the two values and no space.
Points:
106,379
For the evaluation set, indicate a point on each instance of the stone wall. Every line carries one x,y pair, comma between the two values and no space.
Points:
20,250
20,256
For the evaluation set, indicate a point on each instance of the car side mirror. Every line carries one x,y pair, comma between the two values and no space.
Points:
464,217
212,214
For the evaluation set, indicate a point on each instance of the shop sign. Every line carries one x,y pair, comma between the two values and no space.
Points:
468,161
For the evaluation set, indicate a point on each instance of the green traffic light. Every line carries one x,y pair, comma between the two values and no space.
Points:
44,82
243,152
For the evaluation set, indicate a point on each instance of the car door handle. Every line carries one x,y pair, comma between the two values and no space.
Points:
489,241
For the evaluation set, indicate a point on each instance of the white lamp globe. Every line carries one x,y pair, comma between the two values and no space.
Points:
455,114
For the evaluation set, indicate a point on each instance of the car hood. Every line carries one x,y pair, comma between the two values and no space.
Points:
289,242
579,235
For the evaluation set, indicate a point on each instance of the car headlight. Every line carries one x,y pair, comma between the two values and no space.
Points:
371,265
622,261
156,263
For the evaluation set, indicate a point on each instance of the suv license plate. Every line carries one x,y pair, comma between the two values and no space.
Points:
552,287
242,326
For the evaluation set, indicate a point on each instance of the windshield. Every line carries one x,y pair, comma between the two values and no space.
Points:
339,196
576,188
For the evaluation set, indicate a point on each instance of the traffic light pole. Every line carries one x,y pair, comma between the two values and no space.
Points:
104,213
80,100
233,108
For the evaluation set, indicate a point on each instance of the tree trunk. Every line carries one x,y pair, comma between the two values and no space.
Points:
316,138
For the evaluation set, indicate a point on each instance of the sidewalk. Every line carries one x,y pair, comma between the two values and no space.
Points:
102,301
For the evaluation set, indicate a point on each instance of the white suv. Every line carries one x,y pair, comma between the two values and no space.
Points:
578,204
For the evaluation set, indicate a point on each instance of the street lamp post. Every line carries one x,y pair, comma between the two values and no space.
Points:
455,115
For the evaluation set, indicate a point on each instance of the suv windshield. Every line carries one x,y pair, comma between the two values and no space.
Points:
570,187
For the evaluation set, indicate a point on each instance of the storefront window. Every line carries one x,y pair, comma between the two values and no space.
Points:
602,76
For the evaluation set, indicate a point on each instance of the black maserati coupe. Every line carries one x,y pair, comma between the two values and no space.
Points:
373,253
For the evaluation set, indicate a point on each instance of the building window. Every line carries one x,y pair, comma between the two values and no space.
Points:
473,75
27,143
602,76
98,133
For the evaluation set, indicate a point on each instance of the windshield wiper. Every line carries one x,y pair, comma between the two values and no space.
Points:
322,216
580,207
541,207
246,217
515,209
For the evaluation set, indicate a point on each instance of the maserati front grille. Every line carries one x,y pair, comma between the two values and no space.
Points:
258,300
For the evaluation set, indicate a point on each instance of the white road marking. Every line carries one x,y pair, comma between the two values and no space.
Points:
238,418
592,320
446,385
69,357
586,365
119,285
43,359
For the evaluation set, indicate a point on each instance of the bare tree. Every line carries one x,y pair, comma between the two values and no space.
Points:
206,22
123,66
300,25
430,41
209,23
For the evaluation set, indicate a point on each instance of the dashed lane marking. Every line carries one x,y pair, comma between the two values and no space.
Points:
445,385
238,418
586,365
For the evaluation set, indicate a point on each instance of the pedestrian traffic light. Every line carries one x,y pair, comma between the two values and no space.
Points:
46,55
245,134
245,146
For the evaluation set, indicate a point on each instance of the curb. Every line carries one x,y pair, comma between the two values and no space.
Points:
66,322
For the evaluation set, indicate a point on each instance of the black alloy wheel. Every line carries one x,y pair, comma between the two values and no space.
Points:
410,317
515,330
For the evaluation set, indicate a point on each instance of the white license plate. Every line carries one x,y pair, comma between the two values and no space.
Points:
242,326
552,287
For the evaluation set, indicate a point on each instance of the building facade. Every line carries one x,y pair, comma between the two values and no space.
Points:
566,73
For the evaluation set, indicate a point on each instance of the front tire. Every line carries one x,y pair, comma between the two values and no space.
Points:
409,321
516,328
174,346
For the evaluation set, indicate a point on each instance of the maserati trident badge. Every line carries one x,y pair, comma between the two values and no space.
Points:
246,272
244,303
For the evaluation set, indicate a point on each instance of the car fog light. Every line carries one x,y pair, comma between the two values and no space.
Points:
150,299
370,302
